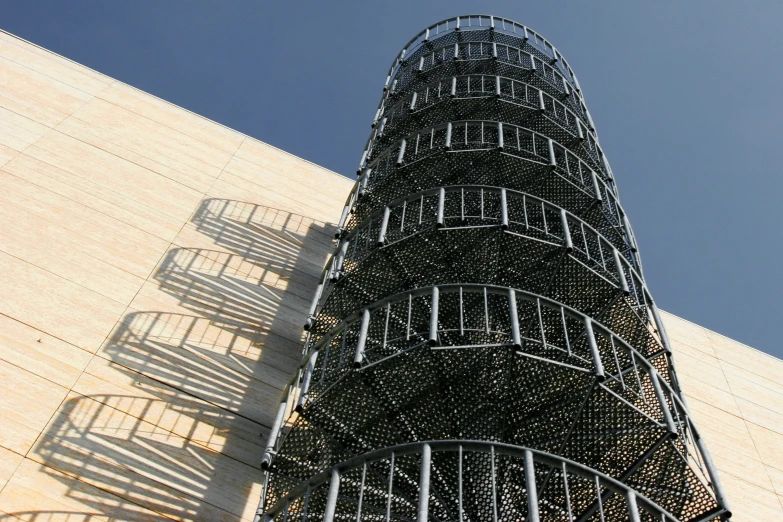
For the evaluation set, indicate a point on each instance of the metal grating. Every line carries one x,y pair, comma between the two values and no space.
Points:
483,345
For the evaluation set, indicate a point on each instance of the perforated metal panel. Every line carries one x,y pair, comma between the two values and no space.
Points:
483,345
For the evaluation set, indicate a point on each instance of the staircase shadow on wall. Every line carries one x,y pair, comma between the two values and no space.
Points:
209,369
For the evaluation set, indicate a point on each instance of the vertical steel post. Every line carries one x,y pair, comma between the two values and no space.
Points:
401,153
363,182
530,486
433,337
659,326
424,484
313,306
337,265
503,209
384,226
306,381
667,415
331,497
343,219
363,328
439,218
633,509
598,367
621,272
596,186
516,337
274,432
567,241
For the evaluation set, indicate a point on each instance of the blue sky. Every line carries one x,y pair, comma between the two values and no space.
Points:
686,97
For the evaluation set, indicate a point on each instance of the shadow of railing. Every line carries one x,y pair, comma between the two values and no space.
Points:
176,406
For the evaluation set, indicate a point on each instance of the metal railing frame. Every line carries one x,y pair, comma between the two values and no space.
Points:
635,502
673,416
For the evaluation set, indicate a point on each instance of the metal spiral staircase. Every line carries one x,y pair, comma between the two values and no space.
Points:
483,346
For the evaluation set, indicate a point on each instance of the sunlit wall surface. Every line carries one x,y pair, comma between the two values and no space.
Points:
156,267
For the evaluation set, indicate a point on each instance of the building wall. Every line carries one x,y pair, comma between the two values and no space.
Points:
735,394
156,271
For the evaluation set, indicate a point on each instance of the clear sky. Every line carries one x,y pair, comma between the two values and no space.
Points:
686,97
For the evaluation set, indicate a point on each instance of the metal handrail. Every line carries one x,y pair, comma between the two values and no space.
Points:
532,461
503,219
484,22
370,158
497,90
675,419
632,284
595,186
339,409
502,52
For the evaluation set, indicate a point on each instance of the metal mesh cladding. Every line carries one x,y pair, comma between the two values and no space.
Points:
482,345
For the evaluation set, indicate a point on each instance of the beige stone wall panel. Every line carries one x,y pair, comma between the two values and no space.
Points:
48,64
198,128
152,303
130,219
36,96
40,353
735,396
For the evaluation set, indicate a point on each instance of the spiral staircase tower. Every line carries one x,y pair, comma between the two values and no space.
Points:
483,345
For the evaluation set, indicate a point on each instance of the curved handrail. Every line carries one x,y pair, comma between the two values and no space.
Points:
600,338
481,135
483,50
507,209
483,22
509,213
588,181
606,355
575,168
585,181
497,86
516,212
534,463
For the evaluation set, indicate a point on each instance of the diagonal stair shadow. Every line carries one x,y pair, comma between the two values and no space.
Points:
168,421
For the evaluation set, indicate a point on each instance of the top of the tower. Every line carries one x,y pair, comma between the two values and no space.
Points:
483,22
